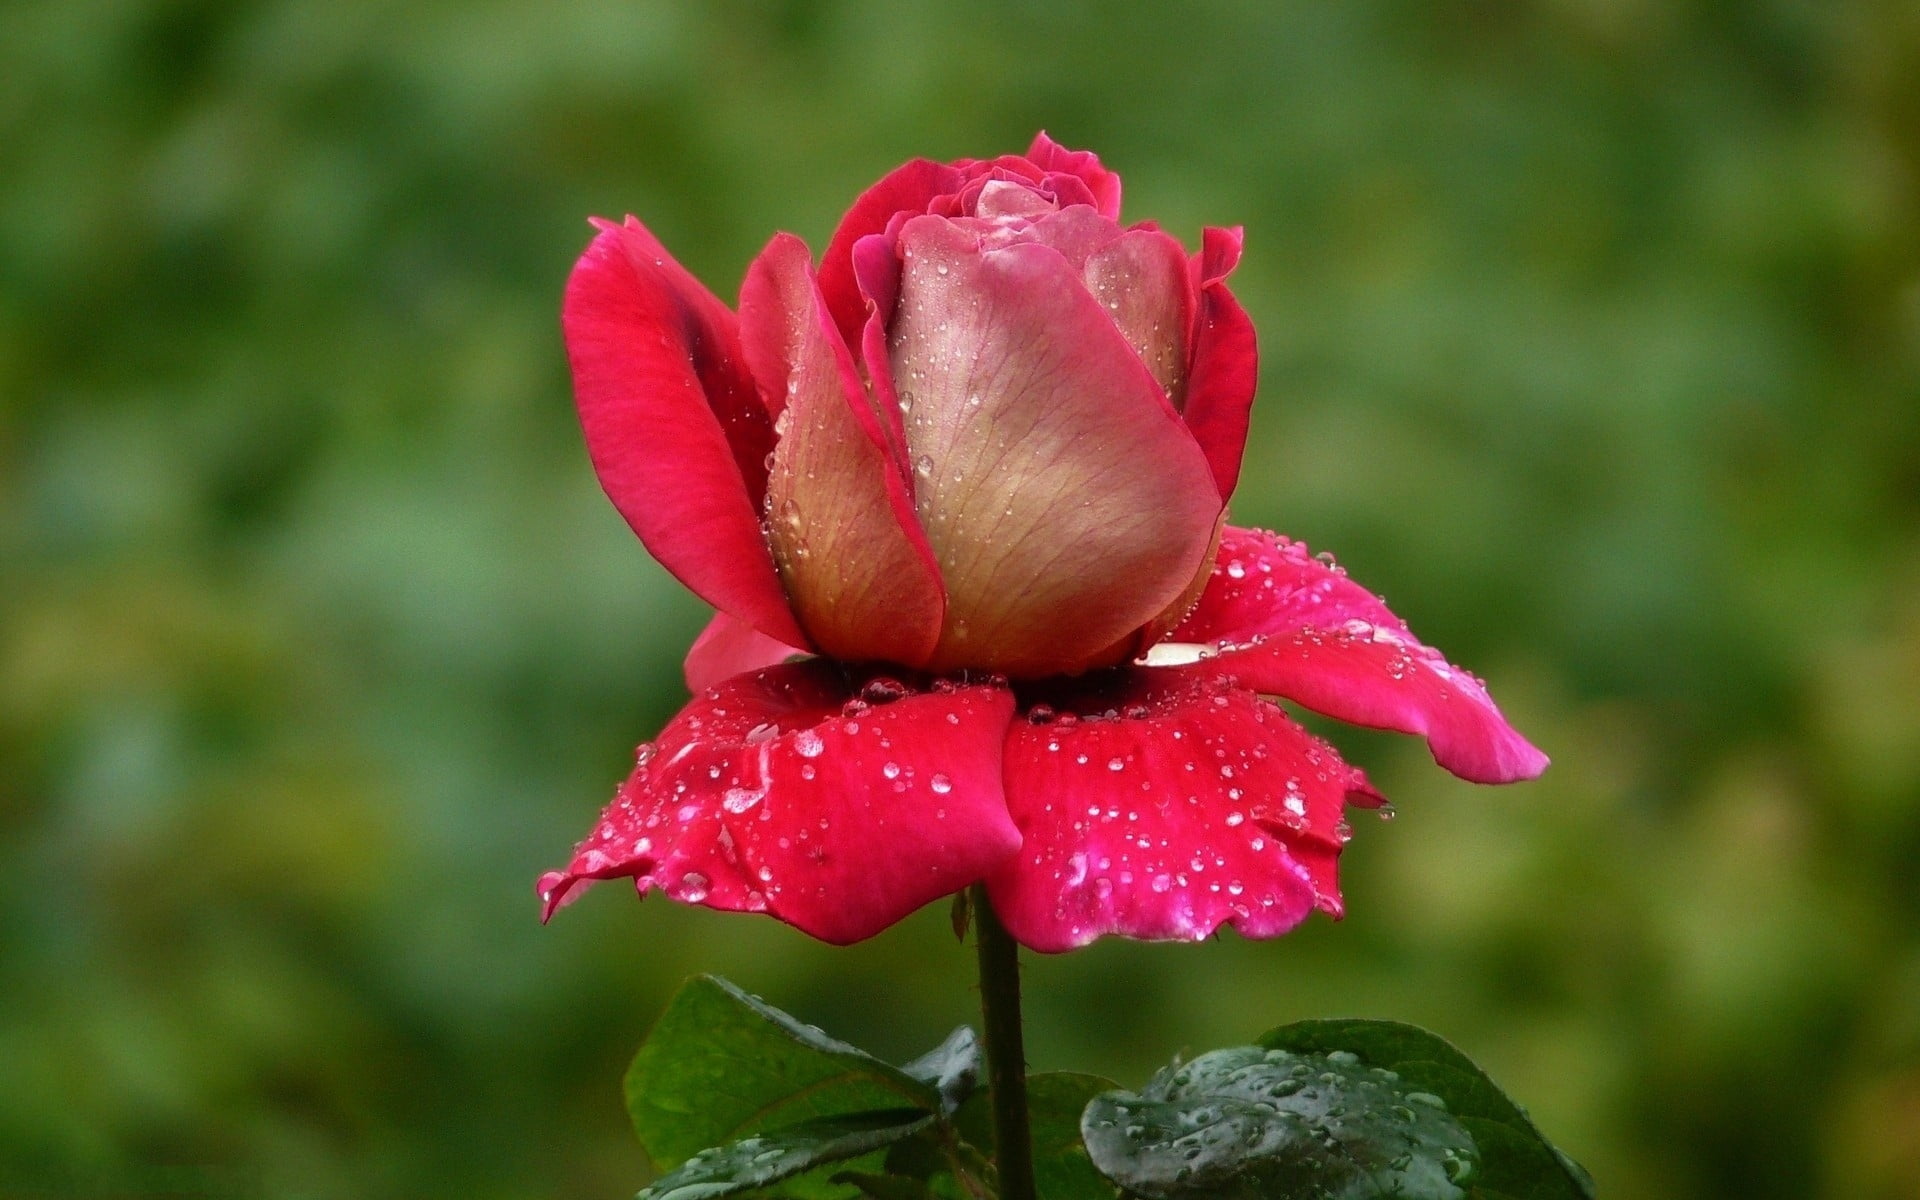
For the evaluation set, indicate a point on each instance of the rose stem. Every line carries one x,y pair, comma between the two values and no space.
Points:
1006,1058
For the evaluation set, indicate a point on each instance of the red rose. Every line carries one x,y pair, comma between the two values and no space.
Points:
977,464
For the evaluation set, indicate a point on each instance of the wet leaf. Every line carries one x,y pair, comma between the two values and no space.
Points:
1516,1161
1252,1123
768,1158
721,1065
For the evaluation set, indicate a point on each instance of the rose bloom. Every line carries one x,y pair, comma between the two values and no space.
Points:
974,467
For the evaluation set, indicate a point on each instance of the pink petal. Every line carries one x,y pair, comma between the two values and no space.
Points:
1225,361
1288,624
908,188
838,809
857,568
1077,232
1104,184
1141,276
729,647
673,425
1162,804
1062,496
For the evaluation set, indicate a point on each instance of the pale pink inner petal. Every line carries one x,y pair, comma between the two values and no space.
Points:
1062,496
1143,280
1164,805
1286,623
848,546
837,807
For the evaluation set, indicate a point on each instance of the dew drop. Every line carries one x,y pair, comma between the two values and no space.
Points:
940,784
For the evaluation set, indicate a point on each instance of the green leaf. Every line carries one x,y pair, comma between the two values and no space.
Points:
721,1065
1055,1100
952,1068
768,1158
1516,1161
1251,1123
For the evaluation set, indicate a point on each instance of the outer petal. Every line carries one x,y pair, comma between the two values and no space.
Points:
909,188
1164,805
1224,367
787,793
1061,494
1050,155
1292,625
675,430
729,647
856,566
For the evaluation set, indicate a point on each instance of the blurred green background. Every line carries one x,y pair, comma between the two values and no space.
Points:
1591,337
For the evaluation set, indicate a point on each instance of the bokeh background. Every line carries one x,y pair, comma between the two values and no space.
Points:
1591,336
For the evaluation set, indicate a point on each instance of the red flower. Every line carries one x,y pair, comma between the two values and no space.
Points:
977,464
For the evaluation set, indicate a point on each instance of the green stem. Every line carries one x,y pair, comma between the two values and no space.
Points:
1006,1058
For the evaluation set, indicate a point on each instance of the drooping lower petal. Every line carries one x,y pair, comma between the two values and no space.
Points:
1286,623
855,564
673,423
1162,804
1060,492
1224,367
728,647
837,807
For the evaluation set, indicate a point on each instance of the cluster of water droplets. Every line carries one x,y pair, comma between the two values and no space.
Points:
1172,813
1279,1122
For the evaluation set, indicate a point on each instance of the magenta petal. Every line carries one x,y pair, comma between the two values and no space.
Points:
1224,367
1164,805
786,792
729,647
673,422
1288,624
1051,156
908,188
